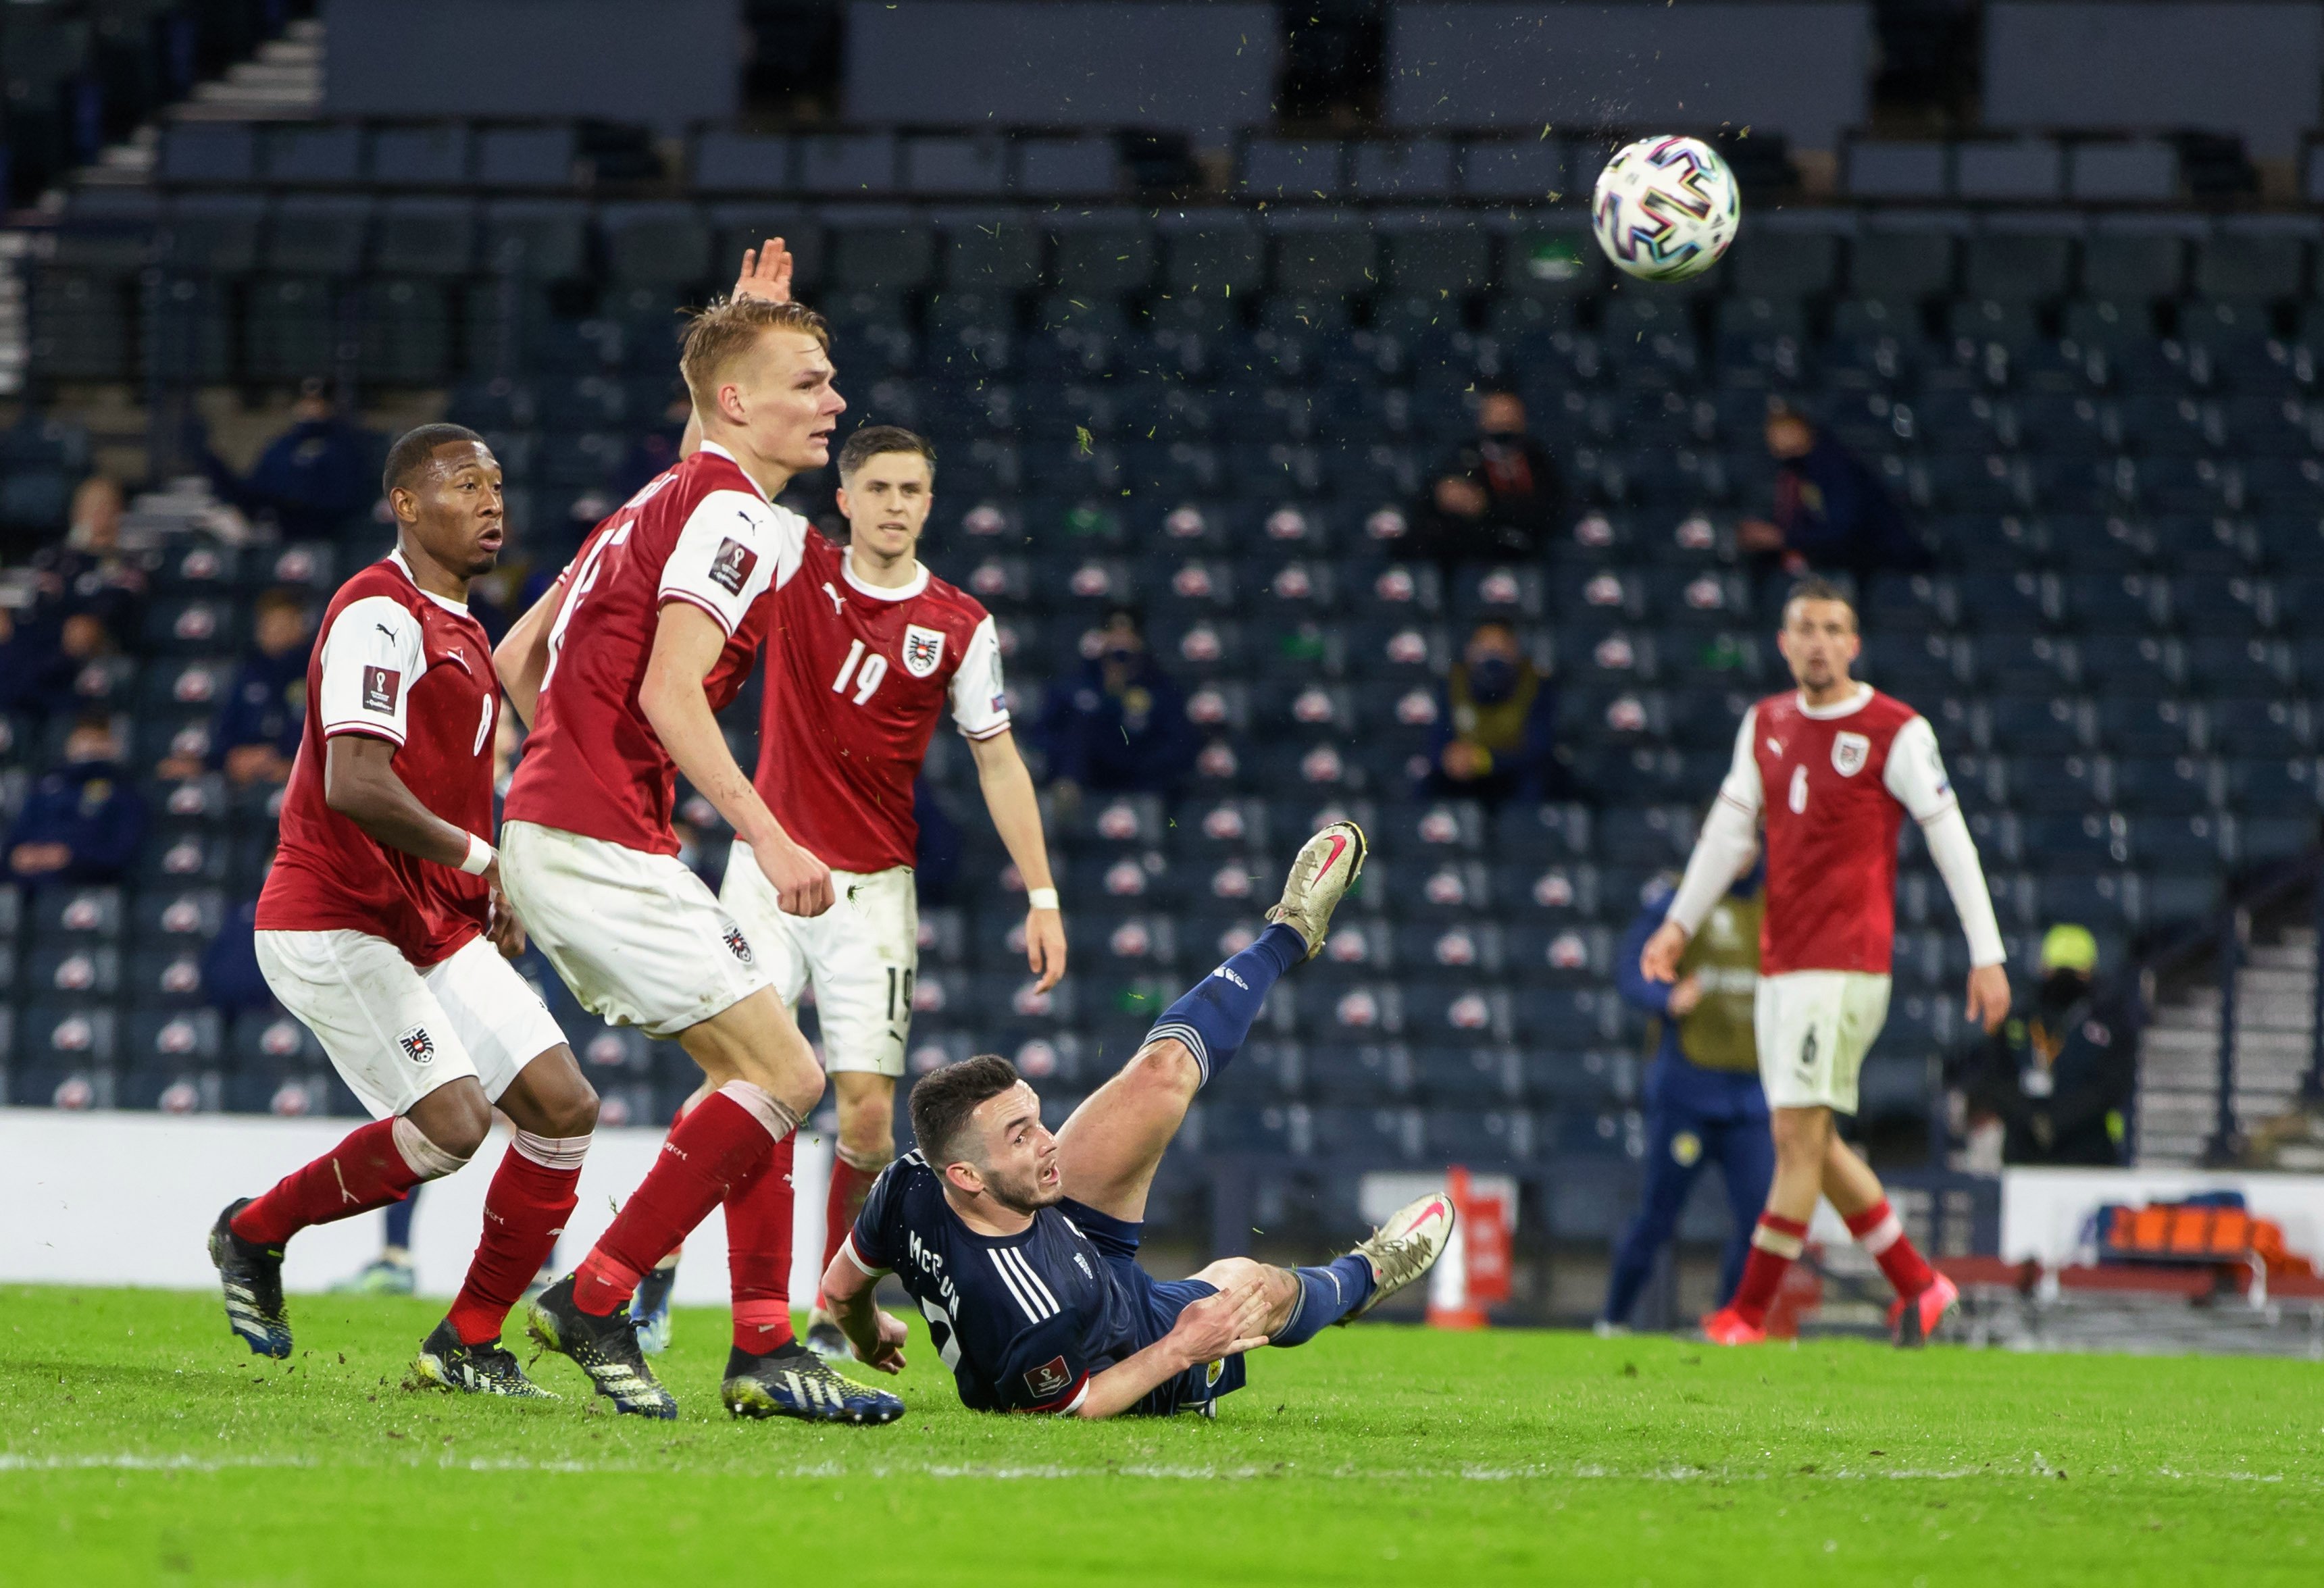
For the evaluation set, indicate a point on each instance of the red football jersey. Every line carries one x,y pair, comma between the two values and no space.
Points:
398,664
856,678
702,532
1834,784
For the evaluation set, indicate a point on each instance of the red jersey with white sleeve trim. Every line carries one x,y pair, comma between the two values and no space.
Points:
856,678
1834,784
703,533
392,662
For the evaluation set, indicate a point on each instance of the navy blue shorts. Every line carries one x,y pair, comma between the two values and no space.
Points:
1155,1304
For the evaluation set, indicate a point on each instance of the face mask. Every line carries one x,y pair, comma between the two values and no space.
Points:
1120,656
1492,680
2063,987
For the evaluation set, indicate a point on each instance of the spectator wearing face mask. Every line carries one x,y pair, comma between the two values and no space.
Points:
1119,723
84,818
257,734
46,664
1498,497
1831,513
90,573
1497,724
318,477
2057,1080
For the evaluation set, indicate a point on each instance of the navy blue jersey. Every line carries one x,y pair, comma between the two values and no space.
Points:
1022,1320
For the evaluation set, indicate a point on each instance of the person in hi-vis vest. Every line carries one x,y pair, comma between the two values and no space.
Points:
1703,1101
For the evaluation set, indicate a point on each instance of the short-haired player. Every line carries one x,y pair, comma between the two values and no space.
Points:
620,670
867,651
381,927
1831,769
1020,1246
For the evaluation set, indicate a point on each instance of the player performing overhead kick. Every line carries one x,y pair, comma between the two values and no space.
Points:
1832,769
620,670
381,926
866,651
1021,1246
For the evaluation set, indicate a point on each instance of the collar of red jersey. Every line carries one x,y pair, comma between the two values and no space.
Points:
911,587
445,602
715,450
1847,708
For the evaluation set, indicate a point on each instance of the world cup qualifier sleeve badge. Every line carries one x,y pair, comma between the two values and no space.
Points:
923,650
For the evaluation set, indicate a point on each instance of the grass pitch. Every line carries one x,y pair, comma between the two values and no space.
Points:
141,1444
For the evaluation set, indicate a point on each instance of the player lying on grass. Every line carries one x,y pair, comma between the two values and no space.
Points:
1021,1246
868,651
381,927
1830,769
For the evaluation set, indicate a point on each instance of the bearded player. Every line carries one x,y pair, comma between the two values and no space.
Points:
867,650
1021,1246
1833,769
382,928
620,670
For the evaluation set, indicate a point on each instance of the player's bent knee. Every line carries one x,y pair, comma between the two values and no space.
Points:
451,1123
1166,1065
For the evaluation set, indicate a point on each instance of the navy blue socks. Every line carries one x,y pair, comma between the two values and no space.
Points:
1326,1295
1214,1016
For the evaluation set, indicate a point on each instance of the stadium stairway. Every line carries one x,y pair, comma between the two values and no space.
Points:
2272,1053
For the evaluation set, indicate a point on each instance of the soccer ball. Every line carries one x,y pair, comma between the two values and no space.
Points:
1665,208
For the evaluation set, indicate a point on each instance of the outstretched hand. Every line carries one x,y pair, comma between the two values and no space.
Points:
1221,1325
765,273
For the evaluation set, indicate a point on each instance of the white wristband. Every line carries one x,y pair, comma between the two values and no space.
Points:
480,855
1040,898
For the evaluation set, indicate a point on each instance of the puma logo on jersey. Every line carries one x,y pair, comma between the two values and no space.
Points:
838,601
1776,748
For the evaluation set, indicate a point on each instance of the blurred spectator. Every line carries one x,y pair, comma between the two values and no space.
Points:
1498,497
257,734
935,857
84,818
1497,729
1703,1100
230,975
1119,723
315,477
36,674
87,573
1832,515
2056,1081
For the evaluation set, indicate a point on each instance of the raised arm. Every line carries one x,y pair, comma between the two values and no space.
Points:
1915,777
1724,852
522,657
688,641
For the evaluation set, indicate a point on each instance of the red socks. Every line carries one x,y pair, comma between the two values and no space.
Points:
849,1186
1775,1244
716,1148
1877,1230
525,1210
368,1169
758,1215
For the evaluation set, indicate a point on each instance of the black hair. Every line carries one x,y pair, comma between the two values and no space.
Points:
943,1099
414,448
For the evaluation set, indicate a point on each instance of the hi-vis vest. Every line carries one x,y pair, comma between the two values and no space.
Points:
1724,957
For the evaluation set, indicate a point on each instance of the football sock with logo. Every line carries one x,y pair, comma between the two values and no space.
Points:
1326,1295
1775,1244
533,1194
1879,1231
373,1167
851,1181
758,1214
1214,1016
717,1146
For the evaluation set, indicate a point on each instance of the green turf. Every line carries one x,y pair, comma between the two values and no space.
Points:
141,1444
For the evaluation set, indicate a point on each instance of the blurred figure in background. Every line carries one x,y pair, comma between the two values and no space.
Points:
88,571
1832,515
256,735
1496,736
84,818
45,662
1703,1100
313,479
1496,498
2055,1083
1118,724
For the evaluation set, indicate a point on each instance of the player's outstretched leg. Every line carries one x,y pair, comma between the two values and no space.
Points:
372,1167
1303,1302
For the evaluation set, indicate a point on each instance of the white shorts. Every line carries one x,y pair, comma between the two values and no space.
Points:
1813,1029
860,955
641,939
395,1032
